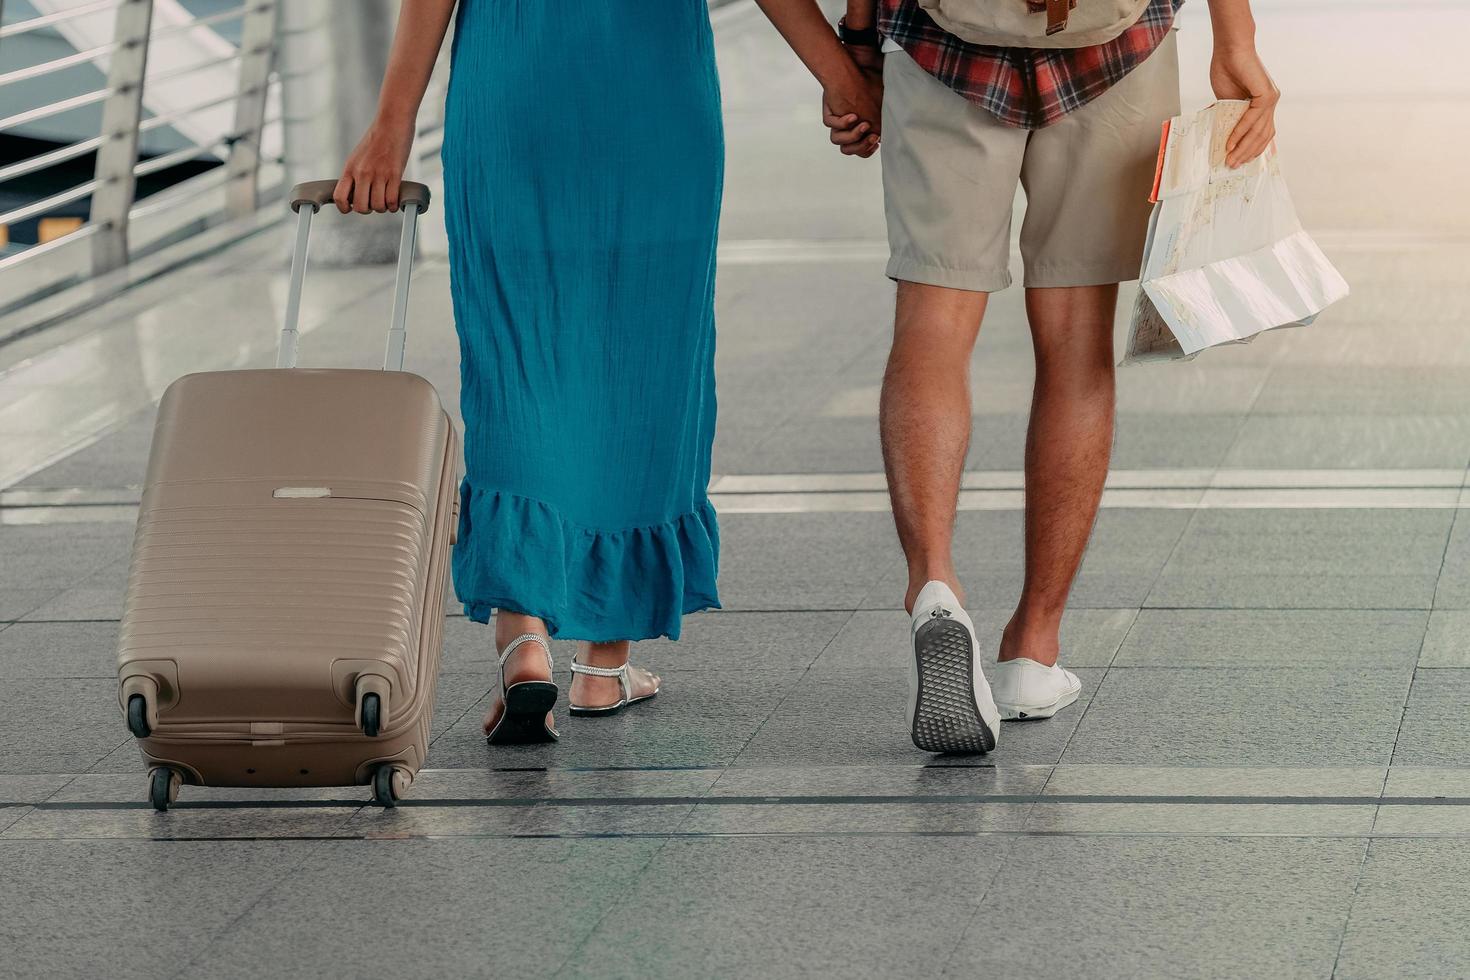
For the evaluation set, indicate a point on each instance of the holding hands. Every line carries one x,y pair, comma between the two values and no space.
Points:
850,69
853,107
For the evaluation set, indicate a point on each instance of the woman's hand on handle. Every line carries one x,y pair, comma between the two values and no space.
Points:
374,171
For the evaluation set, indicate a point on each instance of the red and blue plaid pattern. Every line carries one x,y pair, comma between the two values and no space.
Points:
1025,87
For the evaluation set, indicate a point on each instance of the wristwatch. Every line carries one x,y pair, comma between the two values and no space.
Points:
868,37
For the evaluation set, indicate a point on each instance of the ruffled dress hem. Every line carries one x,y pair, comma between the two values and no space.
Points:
587,584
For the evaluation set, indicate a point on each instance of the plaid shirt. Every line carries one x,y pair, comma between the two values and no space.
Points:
1025,87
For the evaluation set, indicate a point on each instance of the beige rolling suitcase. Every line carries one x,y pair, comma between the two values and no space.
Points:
285,602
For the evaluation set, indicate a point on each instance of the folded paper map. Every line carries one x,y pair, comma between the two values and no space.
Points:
1226,257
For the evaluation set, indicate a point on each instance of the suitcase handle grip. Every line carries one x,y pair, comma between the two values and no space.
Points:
413,198
318,193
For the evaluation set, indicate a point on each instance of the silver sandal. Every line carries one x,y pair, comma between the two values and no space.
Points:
621,673
523,719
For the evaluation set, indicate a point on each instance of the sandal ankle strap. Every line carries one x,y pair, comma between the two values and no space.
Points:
621,673
579,668
525,638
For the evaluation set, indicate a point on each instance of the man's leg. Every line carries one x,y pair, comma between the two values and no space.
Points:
924,419
949,176
1068,445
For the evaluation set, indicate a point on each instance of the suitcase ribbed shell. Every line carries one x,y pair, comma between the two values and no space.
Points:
293,534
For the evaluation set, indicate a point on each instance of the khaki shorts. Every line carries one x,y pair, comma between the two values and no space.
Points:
950,171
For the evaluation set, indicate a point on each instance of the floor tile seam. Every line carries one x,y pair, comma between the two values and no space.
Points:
1445,557
786,696
1122,640
70,778
1258,666
1366,837
1097,691
292,870
1107,669
25,810
777,768
130,494
465,713
1423,638
20,618
771,802
1347,919
1194,515
724,769
709,612
788,413
1403,714
90,768
1273,365
979,907
616,901
781,611
1289,414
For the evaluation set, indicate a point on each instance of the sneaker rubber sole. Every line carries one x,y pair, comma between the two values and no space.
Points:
945,715
1035,712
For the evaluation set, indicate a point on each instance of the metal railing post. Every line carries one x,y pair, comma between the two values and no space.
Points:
118,154
257,53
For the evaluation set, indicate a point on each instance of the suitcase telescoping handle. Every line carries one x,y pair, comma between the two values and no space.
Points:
413,198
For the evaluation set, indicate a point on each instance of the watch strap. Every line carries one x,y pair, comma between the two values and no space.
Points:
867,37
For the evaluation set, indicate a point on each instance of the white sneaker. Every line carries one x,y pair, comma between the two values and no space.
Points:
1027,689
950,707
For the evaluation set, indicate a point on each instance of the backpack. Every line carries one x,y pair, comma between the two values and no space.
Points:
1036,23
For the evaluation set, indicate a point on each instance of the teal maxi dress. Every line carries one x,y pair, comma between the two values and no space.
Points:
583,164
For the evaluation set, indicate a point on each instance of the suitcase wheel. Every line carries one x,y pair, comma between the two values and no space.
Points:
389,784
163,787
138,716
372,715
374,706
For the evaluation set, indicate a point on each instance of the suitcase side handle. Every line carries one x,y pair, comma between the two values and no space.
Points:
414,197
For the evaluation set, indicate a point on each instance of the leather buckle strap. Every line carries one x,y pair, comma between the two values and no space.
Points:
1057,12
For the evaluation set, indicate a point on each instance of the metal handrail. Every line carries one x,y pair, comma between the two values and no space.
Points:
154,122
83,147
69,240
155,164
124,58
40,207
239,175
219,18
211,180
55,108
46,20
90,54
44,160
98,95
197,66
56,64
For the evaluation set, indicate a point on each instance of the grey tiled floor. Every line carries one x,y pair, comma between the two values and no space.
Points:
1266,773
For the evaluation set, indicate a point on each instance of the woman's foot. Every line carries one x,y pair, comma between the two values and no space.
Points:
603,682
521,711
